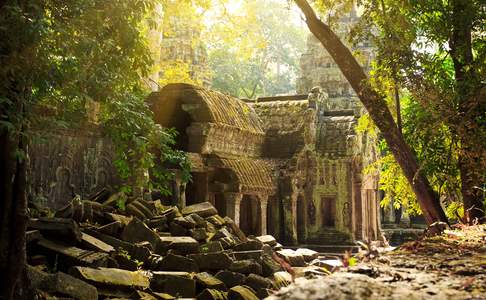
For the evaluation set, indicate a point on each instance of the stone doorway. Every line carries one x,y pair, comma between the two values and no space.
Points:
250,215
300,218
220,204
328,211
197,188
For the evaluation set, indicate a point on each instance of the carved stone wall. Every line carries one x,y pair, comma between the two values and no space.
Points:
65,162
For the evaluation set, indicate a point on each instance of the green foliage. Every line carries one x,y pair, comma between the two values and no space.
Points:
416,53
69,55
255,50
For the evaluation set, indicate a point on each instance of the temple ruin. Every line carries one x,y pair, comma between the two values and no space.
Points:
286,166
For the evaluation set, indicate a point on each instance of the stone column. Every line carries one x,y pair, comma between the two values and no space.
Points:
263,211
176,190
182,198
290,218
233,201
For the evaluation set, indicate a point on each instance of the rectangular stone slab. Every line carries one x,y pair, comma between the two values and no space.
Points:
251,254
61,283
183,244
177,284
212,261
74,255
95,244
138,252
57,227
203,209
112,277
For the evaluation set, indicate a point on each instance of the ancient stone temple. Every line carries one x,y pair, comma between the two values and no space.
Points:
285,165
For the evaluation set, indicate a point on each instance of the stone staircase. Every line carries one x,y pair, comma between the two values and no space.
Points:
330,242
330,236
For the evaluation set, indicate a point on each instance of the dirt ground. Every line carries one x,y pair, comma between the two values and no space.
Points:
449,266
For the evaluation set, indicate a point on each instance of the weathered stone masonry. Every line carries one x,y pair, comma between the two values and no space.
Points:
274,166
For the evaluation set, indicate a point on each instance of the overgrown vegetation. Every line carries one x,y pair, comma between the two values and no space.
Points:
430,66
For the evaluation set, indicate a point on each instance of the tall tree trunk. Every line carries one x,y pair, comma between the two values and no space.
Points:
470,94
13,212
379,113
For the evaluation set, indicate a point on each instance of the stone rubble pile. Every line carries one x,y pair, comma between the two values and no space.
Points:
92,250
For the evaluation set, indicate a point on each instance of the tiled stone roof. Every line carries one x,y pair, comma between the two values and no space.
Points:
253,175
203,106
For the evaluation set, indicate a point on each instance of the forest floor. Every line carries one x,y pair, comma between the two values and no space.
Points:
448,266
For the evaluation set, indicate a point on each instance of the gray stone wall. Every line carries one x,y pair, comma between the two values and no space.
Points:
68,162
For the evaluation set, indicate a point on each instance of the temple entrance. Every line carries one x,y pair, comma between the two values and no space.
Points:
220,204
250,215
300,219
328,211
197,188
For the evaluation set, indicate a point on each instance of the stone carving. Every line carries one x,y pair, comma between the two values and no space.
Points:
62,189
69,162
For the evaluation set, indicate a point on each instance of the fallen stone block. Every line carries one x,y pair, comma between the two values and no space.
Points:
269,266
159,223
170,213
199,234
136,231
177,284
32,236
173,262
241,292
124,261
92,243
113,228
221,233
259,284
235,229
211,294
205,280
183,244
252,254
82,211
312,271
227,242
210,247
111,281
177,230
186,222
66,229
69,255
230,279
328,264
282,279
249,245
124,220
203,209
145,207
145,296
61,283
163,296
267,239
308,254
216,220
136,251
247,266
116,198
200,222
294,259
212,260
